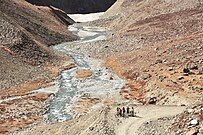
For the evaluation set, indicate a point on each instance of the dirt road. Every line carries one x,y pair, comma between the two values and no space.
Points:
145,113
104,122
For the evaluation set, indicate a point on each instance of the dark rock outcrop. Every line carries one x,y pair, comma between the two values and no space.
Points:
76,6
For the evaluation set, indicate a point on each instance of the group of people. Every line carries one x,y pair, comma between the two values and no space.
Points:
122,112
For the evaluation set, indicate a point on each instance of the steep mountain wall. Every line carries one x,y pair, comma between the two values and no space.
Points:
76,6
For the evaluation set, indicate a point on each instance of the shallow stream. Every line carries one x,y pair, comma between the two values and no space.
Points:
69,88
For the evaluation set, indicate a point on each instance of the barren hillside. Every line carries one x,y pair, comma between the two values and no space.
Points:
165,40
26,31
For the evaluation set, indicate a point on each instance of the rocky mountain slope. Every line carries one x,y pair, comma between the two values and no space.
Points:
26,61
26,33
164,44
76,6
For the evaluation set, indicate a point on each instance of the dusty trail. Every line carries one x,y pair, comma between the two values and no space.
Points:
130,125
104,122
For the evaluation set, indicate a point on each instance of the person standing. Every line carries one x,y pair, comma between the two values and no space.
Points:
132,111
123,111
120,112
128,110
117,111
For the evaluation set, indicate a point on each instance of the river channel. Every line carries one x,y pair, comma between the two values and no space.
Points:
68,88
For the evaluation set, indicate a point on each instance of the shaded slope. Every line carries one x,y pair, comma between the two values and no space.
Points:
41,22
25,33
21,56
76,6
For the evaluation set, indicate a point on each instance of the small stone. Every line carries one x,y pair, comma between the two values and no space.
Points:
158,61
185,74
194,67
155,49
152,100
186,70
106,46
194,122
165,61
170,68
180,77
91,128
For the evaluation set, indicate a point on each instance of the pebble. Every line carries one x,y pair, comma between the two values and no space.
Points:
190,110
170,68
185,74
180,77
186,70
194,122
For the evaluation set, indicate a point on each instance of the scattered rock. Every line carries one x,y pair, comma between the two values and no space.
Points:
186,70
180,77
194,122
106,46
155,49
91,128
170,68
194,67
165,61
161,78
152,100
185,74
158,61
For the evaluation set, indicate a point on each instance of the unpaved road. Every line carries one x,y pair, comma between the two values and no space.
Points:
114,125
130,125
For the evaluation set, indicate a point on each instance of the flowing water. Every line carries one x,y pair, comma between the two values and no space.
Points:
101,83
